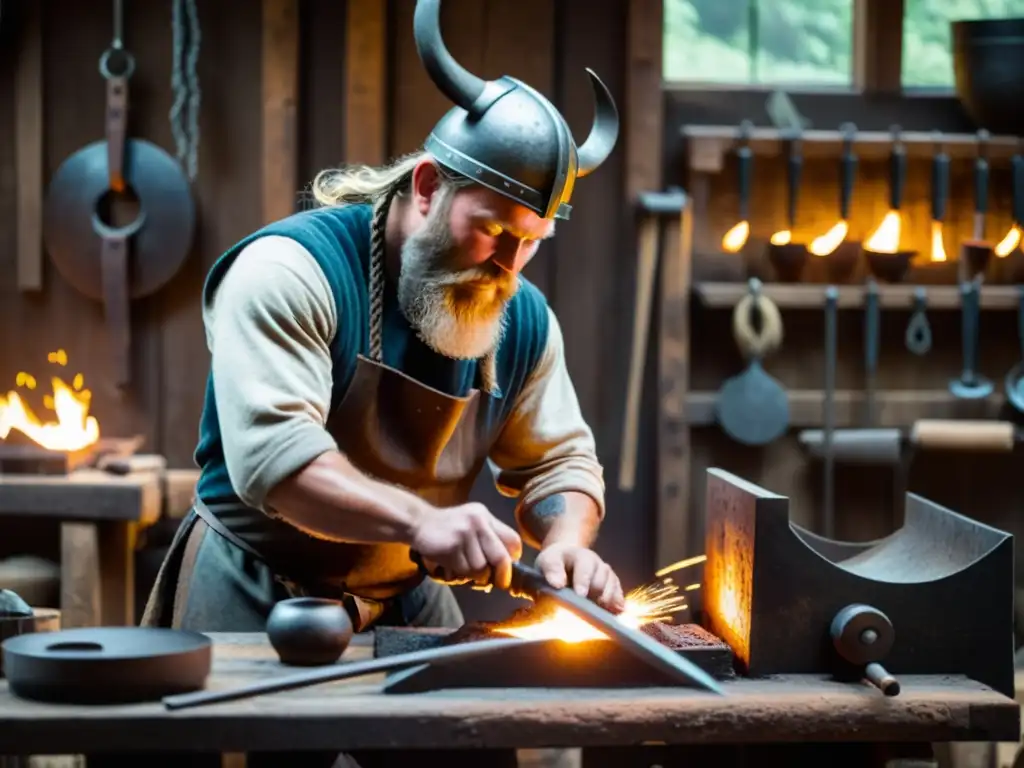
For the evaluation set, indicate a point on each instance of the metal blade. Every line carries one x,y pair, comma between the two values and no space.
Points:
647,649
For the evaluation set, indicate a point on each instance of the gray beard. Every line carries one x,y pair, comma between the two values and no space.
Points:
461,323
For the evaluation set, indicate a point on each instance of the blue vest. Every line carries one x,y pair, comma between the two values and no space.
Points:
339,240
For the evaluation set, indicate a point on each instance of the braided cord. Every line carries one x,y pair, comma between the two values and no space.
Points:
185,84
378,224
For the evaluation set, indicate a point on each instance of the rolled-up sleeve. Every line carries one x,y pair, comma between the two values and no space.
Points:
269,326
546,447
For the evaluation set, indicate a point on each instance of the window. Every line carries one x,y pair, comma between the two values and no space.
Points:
752,42
927,50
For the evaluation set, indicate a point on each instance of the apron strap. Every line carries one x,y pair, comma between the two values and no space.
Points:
215,523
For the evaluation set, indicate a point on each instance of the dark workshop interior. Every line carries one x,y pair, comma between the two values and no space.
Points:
791,296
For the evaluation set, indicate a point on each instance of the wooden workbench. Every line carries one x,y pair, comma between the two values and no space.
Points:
355,715
100,516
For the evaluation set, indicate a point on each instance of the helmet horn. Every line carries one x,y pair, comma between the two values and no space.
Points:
452,79
605,131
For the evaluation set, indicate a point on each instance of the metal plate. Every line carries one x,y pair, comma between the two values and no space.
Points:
166,209
753,408
105,665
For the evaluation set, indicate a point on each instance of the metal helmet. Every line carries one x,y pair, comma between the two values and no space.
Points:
505,135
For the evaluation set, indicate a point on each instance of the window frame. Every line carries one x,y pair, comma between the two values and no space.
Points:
875,101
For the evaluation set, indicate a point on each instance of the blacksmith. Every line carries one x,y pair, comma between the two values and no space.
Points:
369,357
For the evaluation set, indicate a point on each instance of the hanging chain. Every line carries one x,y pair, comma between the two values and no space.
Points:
184,112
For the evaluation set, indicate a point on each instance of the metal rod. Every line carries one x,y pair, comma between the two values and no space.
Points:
831,310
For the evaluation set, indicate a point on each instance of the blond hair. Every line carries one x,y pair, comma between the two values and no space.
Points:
366,184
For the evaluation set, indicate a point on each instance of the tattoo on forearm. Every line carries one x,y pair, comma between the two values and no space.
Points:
542,515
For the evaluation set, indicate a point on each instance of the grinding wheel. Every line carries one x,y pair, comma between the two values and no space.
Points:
106,665
116,264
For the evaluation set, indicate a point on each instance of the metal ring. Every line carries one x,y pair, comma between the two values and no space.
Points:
129,63
109,233
754,343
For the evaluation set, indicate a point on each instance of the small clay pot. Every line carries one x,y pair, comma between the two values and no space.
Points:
788,261
889,267
977,256
309,631
842,262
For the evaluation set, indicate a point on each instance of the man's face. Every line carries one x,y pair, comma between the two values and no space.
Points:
461,268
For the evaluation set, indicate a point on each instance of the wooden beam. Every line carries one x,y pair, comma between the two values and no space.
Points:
878,46
894,408
643,109
366,79
790,296
280,79
28,105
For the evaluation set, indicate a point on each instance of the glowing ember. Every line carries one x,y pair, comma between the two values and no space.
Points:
782,237
736,238
886,239
73,430
653,602
938,247
825,244
1009,243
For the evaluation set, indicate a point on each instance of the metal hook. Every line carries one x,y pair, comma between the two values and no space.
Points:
117,52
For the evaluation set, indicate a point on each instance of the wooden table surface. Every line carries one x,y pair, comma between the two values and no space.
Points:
356,715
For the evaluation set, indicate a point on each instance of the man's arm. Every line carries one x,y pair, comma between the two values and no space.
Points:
269,329
546,456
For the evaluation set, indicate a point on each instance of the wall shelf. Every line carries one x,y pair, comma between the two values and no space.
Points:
893,408
791,296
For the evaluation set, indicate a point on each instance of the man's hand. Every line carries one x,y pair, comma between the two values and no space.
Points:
468,542
589,575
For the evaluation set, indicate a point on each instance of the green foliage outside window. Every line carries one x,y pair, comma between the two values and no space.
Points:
806,42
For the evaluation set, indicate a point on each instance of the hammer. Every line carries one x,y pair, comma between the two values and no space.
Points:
653,207
886,446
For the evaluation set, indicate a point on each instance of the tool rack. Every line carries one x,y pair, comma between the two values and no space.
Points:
694,265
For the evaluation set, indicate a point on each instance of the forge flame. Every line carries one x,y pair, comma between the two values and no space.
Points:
734,240
824,244
654,602
1008,244
73,429
886,239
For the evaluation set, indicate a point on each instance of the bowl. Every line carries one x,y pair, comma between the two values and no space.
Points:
309,631
788,260
988,71
889,267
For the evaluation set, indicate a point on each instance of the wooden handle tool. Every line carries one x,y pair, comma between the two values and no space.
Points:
964,435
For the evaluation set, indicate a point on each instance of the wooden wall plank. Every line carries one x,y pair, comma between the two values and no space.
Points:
28,89
366,129
322,89
280,78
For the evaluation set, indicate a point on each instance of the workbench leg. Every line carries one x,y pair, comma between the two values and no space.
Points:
117,573
832,755
80,589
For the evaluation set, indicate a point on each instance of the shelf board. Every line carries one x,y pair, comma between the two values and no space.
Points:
802,296
893,408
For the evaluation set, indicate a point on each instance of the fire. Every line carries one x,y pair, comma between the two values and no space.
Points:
73,430
1008,244
782,237
736,238
886,239
938,247
825,244
657,601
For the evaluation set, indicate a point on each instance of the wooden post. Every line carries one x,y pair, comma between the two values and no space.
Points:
280,77
28,101
366,82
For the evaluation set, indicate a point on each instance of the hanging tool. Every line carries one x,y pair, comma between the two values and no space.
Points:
752,407
872,338
971,385
842,253
976,252
1015,377
1011,241
940,193
918,337
655,207
888,446
787,257
104,259
831,353
882,249
734,240
528,582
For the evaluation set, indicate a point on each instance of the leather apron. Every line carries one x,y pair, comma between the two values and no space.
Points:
394,429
